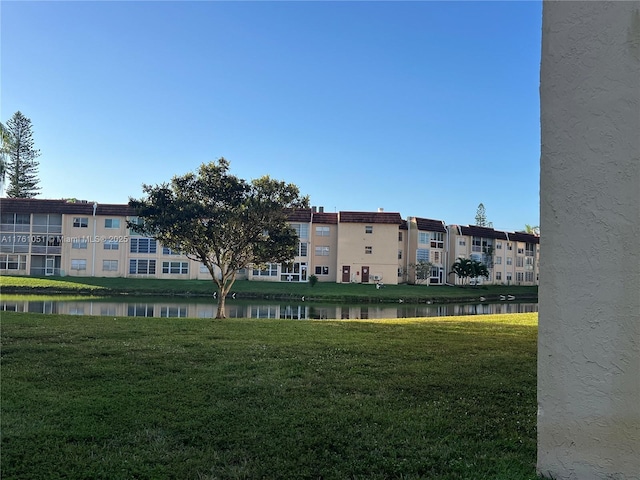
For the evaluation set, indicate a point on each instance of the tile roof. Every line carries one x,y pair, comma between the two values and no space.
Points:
429,225
483,232
35,205
299,215
322,217
370,217
524,237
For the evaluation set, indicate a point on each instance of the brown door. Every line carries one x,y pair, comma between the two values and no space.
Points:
346,274
365,274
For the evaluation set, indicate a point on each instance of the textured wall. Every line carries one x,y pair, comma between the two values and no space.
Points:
589,334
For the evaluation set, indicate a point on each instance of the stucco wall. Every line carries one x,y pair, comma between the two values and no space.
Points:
589,334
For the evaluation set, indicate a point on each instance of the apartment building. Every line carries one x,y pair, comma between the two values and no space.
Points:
426,244
79,238
511,258
368,244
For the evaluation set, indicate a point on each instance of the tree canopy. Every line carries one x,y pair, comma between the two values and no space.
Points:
466,268
481,217
220,220
20,164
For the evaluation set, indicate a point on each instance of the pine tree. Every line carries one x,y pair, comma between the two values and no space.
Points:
481,217
21,166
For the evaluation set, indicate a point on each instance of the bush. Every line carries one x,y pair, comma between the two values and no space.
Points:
313,280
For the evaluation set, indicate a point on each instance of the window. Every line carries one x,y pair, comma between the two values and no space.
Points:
529,261
437,240
436,257
422,255
302,249
519,276
322,250
175,267
111,223
520,251
82,222
509,261
17,222
530,248
399,254
140,310
142,267
476,244
498,260
322,231
110,265
143,245
498,275
498,245
203,268
302,229
519,261
528,276
423,238
508,276
322,270
111,245
462,242
368,229
269,270
179,312
79,243
169,251
509,246
435,275
368,250
399,236
78,264
13,262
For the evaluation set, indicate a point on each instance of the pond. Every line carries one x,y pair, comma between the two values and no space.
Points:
206,308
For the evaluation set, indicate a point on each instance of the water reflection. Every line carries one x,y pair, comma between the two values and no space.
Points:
207,309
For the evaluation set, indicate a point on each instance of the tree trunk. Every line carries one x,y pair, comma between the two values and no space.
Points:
221,313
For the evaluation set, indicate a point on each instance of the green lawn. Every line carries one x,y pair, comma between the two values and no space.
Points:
327,292
133,398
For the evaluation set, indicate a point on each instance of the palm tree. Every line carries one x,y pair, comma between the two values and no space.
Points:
531,229
466,268
462,269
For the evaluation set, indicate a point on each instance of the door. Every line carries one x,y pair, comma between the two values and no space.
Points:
346,274
49,266
365,274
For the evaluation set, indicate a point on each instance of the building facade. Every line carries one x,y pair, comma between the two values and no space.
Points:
79,238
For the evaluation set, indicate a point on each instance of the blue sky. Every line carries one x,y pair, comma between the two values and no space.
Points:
421,108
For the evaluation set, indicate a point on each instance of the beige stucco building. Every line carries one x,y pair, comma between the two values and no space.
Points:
71,238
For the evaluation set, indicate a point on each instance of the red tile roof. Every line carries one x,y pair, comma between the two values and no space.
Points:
328,218
299,215
370,217
34,205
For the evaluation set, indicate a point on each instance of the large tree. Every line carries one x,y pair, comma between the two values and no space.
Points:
220,220
21,166
5,141
481,217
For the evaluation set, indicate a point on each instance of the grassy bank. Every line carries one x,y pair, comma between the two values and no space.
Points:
446,398
326,292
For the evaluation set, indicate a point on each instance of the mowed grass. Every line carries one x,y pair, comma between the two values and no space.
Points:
135,398
322,291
